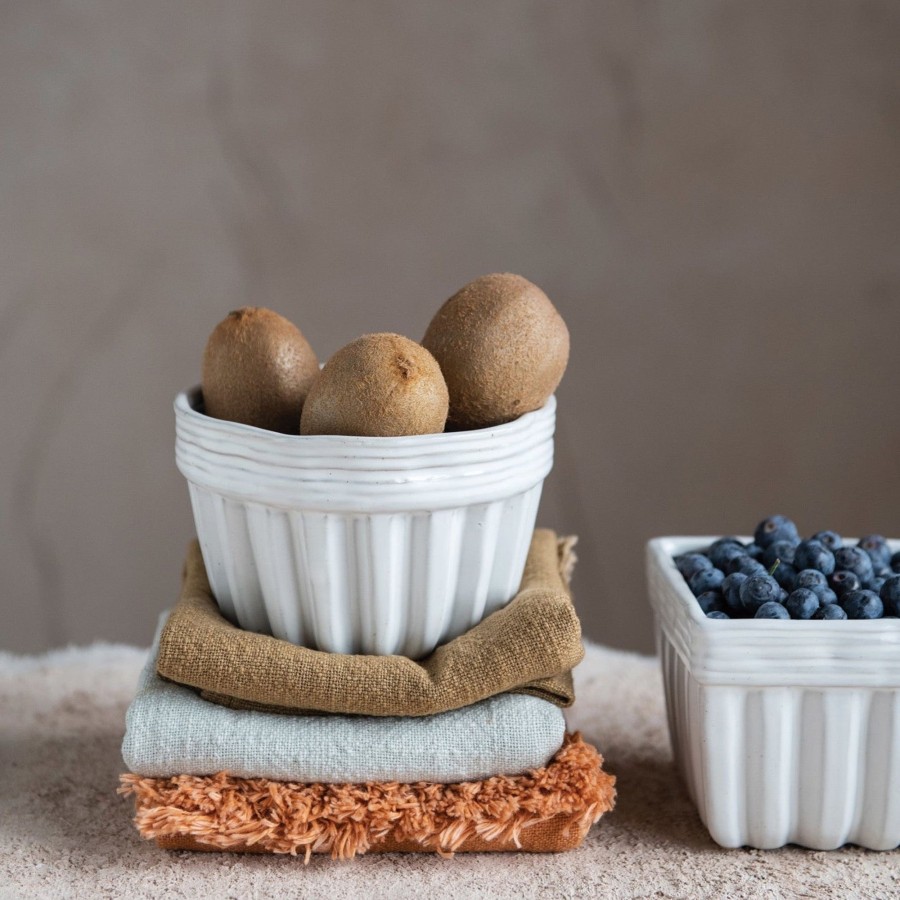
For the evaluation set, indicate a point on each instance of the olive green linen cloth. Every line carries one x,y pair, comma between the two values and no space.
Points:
529,646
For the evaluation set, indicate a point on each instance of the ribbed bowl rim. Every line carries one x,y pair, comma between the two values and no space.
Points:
187,403
465,445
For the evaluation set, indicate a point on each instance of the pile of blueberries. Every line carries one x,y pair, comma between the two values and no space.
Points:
779,576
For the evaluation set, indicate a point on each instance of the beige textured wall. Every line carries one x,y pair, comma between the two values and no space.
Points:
709,191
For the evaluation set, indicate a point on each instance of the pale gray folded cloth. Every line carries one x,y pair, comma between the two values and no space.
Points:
171,730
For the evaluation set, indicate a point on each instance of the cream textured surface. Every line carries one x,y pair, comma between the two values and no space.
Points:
65,833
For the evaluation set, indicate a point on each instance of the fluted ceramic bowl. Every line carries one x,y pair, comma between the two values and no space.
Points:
372,545
786,732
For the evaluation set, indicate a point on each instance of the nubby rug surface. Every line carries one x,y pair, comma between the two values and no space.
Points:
65,832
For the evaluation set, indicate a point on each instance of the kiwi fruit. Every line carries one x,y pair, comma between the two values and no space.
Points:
503,349
257,369
379,385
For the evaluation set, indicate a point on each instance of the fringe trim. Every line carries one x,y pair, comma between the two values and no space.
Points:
345,820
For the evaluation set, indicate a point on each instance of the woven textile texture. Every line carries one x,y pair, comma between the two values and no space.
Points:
530,646
171,730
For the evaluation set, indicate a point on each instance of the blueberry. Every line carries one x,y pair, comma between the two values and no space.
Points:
827,597
691,563
831,539
779,550
731,590
877,548
856,560
842,582
862,605
706,580
771,610
875,584
802,603
775,528
812,579
890,595
758,589
786,575
725,554
711,601
717,614
814,555
754,551
722,551
829,611
747,566
895,562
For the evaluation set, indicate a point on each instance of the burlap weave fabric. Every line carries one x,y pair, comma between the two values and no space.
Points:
529,646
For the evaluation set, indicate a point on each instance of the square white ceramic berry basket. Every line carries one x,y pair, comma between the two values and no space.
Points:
784,731
363,544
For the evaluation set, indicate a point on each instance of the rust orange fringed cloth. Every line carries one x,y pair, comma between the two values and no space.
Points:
545,810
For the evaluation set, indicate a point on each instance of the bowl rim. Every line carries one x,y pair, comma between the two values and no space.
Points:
187,402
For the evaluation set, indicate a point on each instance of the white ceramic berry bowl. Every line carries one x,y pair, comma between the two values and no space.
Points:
784,731
360,544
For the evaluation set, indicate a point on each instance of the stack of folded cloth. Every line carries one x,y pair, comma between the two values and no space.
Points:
243,742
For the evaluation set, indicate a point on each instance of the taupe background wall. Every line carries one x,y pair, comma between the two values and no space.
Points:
710,192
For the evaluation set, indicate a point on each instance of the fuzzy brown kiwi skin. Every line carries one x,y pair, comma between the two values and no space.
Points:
380,385
258,369
503,349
